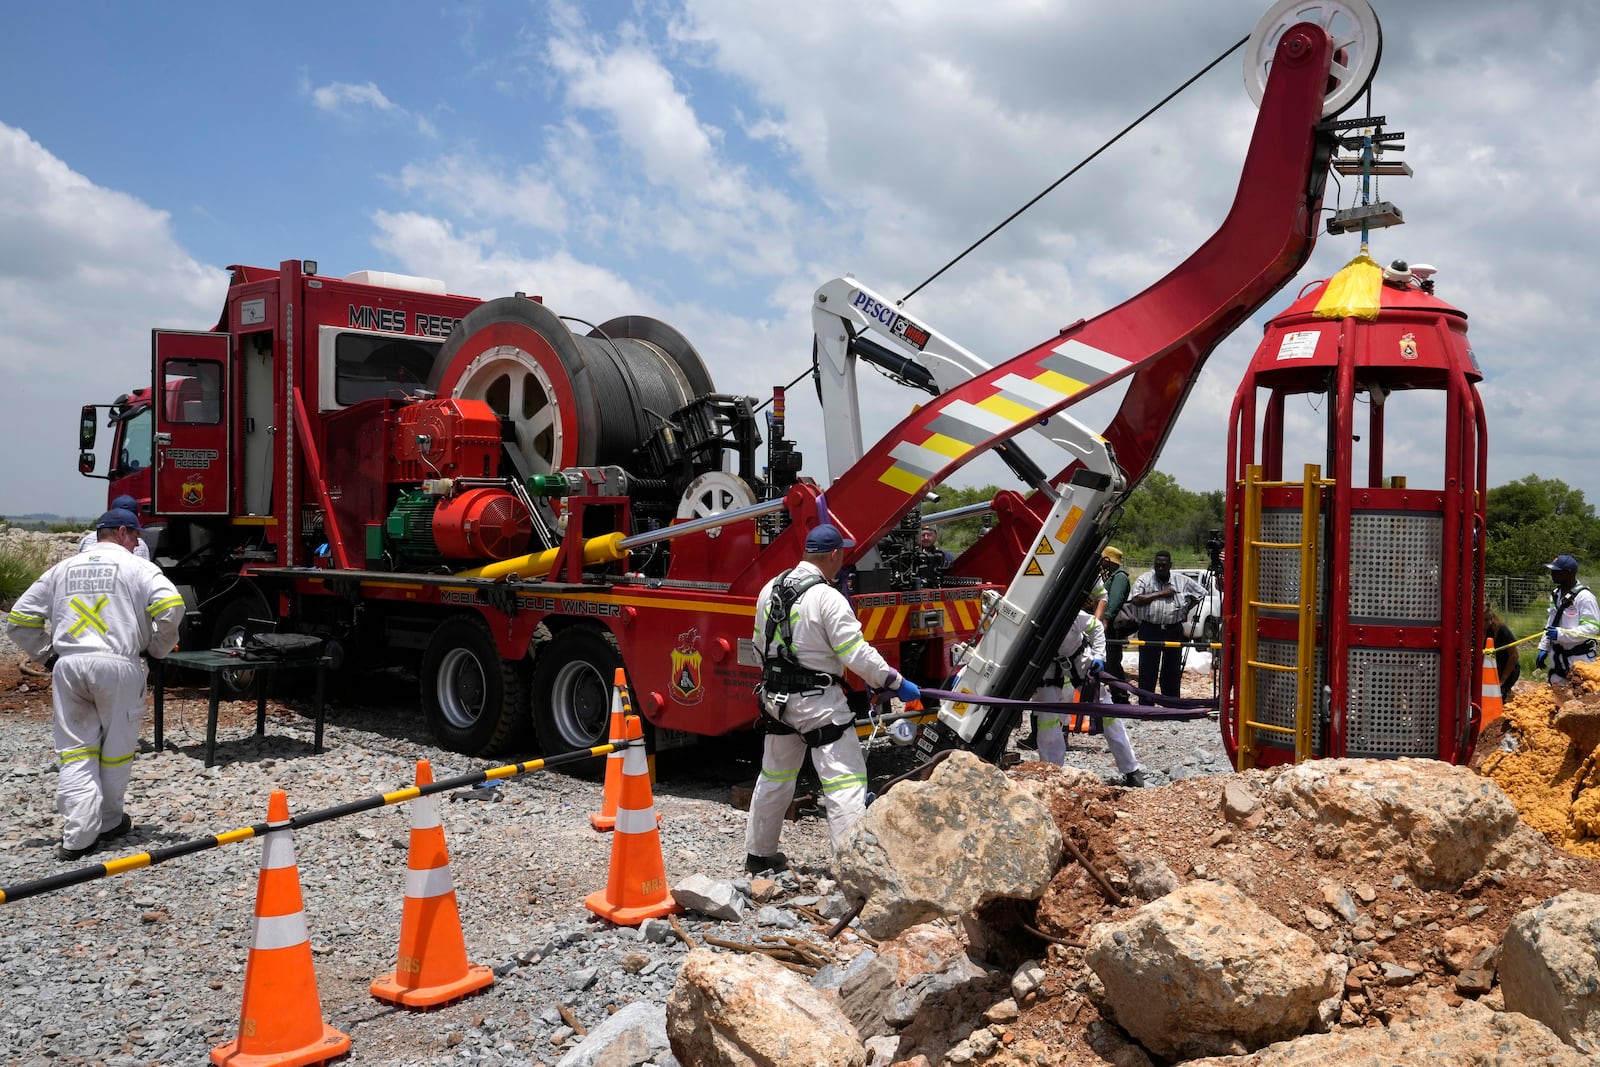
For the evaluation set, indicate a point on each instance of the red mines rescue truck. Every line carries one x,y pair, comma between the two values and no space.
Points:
522,508
469,487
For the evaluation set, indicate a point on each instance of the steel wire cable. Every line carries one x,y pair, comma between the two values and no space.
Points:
1080,165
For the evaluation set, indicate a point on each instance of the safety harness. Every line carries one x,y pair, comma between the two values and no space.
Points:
782,676
1560,655
1066,666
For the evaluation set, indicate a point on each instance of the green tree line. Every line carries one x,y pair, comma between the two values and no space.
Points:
1530,522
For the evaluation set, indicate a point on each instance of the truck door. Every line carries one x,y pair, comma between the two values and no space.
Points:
191,462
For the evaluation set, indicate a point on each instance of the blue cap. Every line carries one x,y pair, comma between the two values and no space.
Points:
1562,563
826,538
117,518
128,504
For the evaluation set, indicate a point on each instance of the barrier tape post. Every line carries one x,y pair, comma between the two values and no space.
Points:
432,967
280,1019
1493,700
636,886
606,817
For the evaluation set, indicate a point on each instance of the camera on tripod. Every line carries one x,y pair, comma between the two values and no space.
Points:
1214,550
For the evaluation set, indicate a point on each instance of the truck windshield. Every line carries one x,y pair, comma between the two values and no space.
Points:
367,367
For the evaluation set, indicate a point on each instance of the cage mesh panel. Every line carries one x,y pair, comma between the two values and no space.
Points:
1279,576
1395,563
1393,706
1275,696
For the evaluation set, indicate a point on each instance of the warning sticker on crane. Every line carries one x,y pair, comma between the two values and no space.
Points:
1068,524
1033,570
1301,344
1044,548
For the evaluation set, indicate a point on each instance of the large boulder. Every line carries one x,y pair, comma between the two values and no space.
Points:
636,1033
1463,1035
1441,824
1204,971
923,988
1550,967
747,1011
943,847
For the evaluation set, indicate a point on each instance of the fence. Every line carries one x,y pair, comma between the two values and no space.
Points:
1510,595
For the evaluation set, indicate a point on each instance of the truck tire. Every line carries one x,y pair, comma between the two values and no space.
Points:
572,677
1212,631
473,699
237,620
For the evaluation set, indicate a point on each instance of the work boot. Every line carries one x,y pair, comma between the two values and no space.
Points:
67,855
122,829
1133,779
756,864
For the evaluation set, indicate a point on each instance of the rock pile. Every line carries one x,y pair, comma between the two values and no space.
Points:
1421,915
1545,753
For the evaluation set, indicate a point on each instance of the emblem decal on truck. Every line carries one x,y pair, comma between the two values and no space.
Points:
688,679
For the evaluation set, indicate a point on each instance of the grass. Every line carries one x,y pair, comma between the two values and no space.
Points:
18,569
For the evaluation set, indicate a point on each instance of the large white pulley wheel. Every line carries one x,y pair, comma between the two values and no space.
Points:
712,494
1357,46
514,384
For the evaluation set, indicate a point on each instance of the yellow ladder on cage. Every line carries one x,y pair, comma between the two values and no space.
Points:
1304,667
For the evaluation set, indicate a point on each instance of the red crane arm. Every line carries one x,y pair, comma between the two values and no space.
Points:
1159,338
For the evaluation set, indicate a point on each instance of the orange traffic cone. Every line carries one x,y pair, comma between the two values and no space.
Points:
280,1022
433,967
1492,700
636,888
606,817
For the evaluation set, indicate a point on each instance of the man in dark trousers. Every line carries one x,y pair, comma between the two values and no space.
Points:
1118,589
1160,600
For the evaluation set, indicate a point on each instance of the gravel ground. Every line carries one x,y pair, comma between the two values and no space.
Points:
147,967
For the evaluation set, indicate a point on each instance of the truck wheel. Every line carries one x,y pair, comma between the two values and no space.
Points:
572,678
237,620
1213,630
472,698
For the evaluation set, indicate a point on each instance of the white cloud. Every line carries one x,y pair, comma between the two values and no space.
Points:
350,100
85,273
345,97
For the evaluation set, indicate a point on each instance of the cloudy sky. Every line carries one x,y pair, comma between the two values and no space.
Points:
712,162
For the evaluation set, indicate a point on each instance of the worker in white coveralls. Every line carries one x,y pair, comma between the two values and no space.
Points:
1572,625
92,538
1078,662
808,636
94,617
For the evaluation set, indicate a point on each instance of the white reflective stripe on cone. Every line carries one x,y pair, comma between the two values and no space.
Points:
634,821
634,762
277,851
280,931
424,813
434,883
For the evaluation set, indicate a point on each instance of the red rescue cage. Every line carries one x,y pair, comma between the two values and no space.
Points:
1355,577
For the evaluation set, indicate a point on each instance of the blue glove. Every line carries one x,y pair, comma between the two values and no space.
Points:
1096,666
1539,660
1553,635
908,691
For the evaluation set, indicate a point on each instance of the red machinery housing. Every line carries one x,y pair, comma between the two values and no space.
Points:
1352,620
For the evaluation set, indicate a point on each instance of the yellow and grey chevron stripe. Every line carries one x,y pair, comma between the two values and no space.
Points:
960,426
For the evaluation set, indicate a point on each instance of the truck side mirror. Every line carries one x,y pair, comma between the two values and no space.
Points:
86,430
85,462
